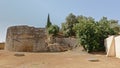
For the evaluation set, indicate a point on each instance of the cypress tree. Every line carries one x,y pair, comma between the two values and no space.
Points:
48,22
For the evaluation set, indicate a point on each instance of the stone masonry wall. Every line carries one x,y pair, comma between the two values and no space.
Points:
71,42
2,45
25,38
31,39
65,43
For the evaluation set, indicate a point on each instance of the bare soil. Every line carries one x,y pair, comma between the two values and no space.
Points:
69,59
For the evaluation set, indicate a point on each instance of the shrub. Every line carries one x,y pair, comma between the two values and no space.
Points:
67,26
91,35
53,30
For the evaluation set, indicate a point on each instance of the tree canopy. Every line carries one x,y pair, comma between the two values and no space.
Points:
90,33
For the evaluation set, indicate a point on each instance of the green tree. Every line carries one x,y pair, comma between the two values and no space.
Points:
91,34
67,27
53,30
48,22
114,24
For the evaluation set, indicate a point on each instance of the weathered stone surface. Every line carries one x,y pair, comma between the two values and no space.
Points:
31,39
25,38
70,42
19,54
2,45
51,40
56,47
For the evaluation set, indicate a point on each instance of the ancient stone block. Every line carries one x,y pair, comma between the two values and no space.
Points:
26,39
2,45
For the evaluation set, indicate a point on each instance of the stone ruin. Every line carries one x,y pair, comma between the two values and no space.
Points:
25,38
31,39
2,45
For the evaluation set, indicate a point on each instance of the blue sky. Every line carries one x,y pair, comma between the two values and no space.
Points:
34,12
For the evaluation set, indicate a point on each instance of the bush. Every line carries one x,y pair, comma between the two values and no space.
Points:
53,30
91,35
67,26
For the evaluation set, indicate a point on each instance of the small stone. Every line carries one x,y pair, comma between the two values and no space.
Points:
93,60
19,54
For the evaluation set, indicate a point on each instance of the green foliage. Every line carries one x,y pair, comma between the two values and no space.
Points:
114,25
91,34
48,22
67,31
67,27
53,30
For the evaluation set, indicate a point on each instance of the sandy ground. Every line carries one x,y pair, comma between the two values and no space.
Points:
68,59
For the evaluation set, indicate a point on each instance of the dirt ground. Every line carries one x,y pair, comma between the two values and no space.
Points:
69,59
